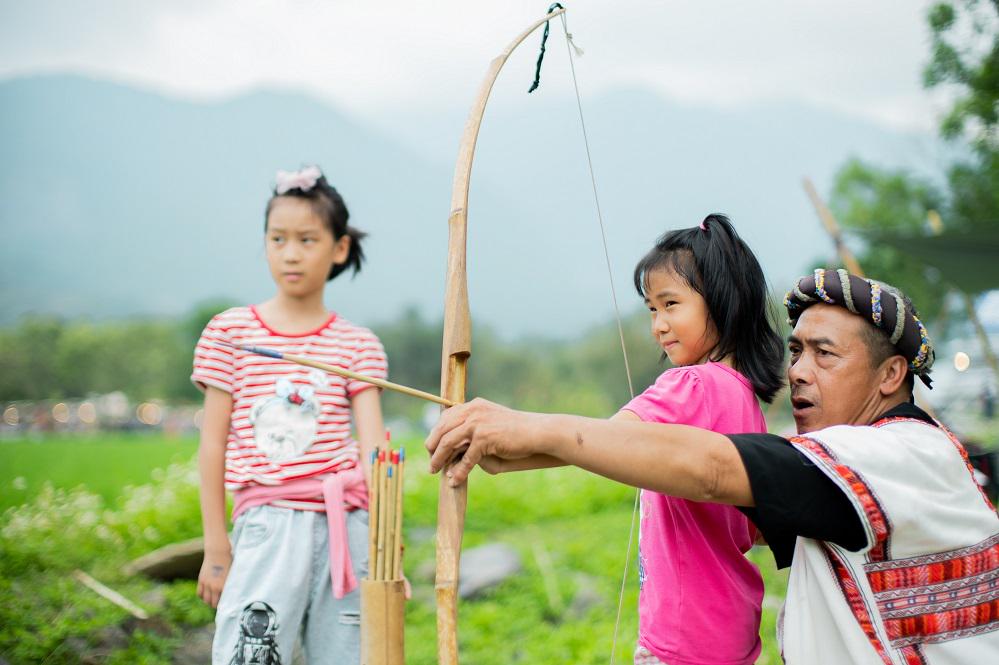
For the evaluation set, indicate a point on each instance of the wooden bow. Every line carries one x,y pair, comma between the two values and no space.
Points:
457,348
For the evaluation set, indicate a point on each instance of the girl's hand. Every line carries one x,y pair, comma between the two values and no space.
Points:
211,579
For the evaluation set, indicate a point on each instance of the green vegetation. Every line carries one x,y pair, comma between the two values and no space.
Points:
891,208
576,521
104,463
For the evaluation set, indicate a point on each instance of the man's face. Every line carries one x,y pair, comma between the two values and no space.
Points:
831,377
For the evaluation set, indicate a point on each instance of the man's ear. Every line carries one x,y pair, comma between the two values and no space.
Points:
893,372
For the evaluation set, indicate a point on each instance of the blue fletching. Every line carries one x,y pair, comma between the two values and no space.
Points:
390,471
270,353
402,453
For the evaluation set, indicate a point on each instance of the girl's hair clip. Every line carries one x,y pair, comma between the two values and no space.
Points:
703,225
304,179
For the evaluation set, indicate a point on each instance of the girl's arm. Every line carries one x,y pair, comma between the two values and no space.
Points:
211,464
366,408
494,465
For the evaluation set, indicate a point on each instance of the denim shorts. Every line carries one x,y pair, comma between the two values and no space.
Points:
279,590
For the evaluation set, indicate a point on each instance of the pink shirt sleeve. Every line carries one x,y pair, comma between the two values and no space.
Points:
678,396
213,363
369,360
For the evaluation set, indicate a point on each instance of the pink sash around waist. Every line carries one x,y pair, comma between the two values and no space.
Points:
341,492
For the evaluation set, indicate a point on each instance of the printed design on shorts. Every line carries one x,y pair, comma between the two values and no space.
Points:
285,424
257,644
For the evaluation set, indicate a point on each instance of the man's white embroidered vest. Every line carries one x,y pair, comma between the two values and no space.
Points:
925,590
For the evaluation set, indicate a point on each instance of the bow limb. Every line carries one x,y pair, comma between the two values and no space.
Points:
457,347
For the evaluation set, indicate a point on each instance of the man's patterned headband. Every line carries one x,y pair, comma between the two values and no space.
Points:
881,305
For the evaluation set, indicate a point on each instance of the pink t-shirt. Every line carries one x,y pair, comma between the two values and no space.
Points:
700,596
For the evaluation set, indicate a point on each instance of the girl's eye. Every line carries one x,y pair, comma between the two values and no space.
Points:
308,240
277,239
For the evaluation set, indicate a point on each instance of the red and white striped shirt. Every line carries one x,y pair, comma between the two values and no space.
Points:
288,421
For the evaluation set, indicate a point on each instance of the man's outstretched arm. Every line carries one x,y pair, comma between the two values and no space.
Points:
677,460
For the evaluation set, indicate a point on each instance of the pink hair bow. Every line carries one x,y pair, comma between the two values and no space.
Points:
304,179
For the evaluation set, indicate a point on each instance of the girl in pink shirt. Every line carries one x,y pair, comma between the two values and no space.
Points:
700,598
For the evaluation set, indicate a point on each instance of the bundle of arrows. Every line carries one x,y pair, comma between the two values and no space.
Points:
385,508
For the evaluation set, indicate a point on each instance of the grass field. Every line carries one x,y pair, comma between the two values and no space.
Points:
570,528
104,464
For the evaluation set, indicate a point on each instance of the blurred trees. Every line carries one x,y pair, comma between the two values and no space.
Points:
891,208
585,375
965,44
48,358
869,199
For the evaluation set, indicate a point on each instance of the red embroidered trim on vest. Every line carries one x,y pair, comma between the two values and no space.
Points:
921,600
938,597
855,600
913,655
876,515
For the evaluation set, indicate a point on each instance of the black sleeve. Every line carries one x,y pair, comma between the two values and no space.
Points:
794,498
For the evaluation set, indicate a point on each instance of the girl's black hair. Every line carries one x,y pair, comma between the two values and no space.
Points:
715,262
328,204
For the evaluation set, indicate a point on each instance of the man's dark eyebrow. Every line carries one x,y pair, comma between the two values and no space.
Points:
814,341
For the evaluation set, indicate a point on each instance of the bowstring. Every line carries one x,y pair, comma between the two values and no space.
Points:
570,46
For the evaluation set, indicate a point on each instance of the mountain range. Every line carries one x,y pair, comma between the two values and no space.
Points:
118,201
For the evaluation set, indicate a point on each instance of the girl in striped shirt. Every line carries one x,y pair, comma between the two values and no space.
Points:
278,436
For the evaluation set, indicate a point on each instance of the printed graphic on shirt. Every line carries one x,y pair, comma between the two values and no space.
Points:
257,643
643,515
252,379
285,424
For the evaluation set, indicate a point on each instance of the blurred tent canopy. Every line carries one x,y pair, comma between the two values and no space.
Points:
966,258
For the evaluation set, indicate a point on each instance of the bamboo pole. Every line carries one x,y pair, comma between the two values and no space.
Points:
849,260
833,229
111,595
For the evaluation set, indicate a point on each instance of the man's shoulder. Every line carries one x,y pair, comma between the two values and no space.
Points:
903,423
885,437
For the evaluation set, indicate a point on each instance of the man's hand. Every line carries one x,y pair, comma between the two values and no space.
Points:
211,579
469,432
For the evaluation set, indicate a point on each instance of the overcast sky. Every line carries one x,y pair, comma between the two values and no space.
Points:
376,60
372,58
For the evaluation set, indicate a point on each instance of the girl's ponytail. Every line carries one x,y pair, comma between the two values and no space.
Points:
356,255
715,262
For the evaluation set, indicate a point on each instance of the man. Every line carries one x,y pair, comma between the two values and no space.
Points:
893,547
